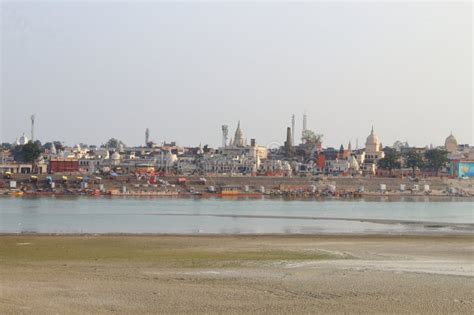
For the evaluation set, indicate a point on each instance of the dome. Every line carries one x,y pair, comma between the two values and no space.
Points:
23,139
372,138
451,140
451,144
115,156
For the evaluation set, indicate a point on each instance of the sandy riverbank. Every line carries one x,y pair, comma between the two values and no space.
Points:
236,274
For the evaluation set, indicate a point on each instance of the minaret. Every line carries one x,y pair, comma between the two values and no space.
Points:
225,134
147,136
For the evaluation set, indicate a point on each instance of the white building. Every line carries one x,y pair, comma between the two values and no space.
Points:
373,153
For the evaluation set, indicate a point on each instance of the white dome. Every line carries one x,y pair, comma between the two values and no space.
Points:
372,138
115,156
23,139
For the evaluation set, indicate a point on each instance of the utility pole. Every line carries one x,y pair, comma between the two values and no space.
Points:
32,127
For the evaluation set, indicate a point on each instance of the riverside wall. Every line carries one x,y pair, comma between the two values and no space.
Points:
370,184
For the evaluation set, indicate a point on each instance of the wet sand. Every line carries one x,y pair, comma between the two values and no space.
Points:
103,274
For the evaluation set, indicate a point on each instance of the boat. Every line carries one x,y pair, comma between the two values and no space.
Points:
230,191
15,193
143,193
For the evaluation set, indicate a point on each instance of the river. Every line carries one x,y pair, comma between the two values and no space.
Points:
231,216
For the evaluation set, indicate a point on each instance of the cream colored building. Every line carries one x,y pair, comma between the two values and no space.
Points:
451,144
373,153
373,148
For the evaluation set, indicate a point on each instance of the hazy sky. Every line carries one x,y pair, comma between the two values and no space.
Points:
95,70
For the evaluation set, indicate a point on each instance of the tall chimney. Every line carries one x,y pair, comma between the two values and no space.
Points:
289,142
293,128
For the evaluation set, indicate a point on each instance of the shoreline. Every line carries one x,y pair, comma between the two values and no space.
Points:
350,235
249,236
362,197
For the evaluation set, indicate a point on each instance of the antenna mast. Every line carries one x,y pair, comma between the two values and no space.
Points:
32,127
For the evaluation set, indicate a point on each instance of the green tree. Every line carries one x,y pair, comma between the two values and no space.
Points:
414,160
27,153
436,159
113,143
58,145
311,137
391,160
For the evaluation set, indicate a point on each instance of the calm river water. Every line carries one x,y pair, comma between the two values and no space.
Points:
193,216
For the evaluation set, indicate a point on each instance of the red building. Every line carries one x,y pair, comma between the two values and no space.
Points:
62,165
321,161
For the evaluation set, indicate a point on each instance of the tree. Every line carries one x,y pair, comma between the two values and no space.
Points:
436,159
414,160
113,143
311,137
58,145
6,146
391,160
27,153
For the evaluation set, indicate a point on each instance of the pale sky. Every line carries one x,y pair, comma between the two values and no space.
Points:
95,70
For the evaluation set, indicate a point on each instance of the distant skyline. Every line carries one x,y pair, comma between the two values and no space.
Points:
92,70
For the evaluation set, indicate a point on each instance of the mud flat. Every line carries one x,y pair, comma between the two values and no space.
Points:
270,274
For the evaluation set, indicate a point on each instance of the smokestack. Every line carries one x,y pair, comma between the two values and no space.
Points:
289,142
293,128
304,127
